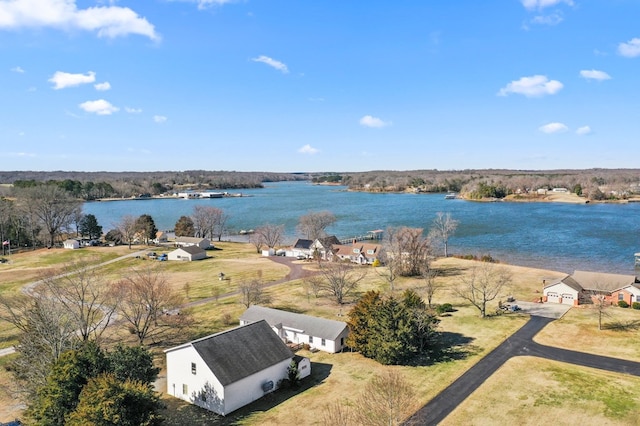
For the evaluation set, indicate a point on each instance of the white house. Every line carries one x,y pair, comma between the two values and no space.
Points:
187,254
301,247
228,370
71,244
161,237
319,333
203,243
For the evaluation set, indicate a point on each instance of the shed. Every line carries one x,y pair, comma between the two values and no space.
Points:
71,244
203,243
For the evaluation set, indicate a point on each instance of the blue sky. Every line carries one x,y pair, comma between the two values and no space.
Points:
316,85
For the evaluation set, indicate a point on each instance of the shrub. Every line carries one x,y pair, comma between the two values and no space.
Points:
623,304
445,307
635,305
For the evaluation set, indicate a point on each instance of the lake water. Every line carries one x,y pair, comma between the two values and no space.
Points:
561,237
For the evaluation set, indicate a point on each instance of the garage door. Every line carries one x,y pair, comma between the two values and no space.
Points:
553,297
567,299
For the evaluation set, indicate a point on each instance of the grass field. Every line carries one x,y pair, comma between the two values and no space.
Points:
339,377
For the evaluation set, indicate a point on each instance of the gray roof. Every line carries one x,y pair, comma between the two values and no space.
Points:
240,352
193,240
596,281
313,326
599,281
192,249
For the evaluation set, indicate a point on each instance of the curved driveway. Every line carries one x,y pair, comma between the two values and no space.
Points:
518,344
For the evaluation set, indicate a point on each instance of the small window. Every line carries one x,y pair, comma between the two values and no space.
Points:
621,296
310,339
637,298
185,389
369,251
323,342
193,368
342,341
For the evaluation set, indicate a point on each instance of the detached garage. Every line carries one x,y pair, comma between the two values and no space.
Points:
187,254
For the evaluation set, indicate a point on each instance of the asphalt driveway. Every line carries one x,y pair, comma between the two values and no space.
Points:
518,344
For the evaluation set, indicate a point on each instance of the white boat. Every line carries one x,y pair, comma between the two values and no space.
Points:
451,196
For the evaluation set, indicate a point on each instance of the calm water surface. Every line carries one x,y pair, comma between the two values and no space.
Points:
561,237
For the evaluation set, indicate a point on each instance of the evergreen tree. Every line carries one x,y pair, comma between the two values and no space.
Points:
146,227
184,227
106,400
89,227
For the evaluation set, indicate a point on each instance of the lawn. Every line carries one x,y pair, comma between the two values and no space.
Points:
335,377
534,391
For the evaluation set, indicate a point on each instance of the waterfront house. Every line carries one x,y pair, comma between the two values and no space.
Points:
319,333
322,246
228,370
188,254
357,252
301,248
582,287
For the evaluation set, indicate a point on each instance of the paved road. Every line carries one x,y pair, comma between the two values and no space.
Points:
519,343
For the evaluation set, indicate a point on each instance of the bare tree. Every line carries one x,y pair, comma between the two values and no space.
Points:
391,266
442,229
271,235
483,284
253,293
84,296
50,206
338,279
313,225
430,284
408,249
128,227
337,413
387,400
149,305
209,222
257,240
46,331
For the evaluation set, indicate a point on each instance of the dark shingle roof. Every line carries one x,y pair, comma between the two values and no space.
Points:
314,326
242,351
303,244
192,249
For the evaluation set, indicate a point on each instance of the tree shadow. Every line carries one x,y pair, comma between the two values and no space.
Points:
448,347
623,326
448,272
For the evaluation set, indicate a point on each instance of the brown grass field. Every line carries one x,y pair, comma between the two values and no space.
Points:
340,377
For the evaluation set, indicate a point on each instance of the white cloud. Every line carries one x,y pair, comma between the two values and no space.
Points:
308,149
541,4
272,63
19,70
159,119
553,128
371,121
630,49
62,80
595,75
531,87
101,87
552,19
99,107
107,21
204,4
133,110
584,130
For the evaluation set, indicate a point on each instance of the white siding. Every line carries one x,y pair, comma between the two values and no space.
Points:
249,389
179,374
555,291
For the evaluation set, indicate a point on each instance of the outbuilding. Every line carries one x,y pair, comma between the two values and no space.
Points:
187,254
71,244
